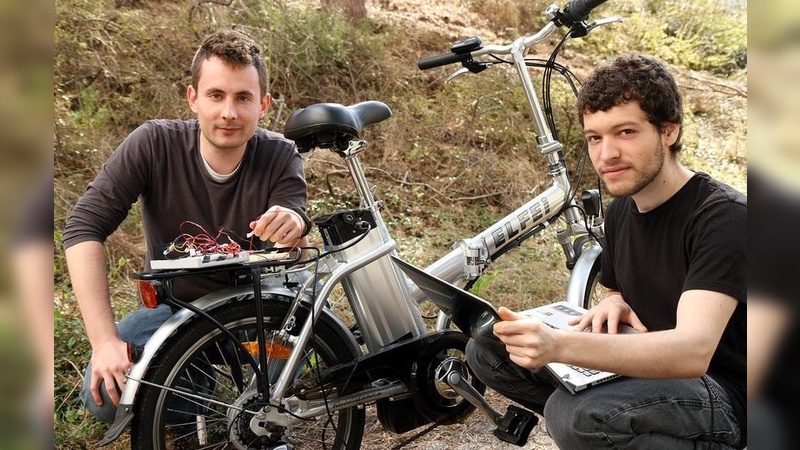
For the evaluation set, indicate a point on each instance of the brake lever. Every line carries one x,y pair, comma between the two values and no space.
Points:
469,66
600,22
456,74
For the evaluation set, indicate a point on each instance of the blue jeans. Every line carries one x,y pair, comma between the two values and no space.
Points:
136,327
627,413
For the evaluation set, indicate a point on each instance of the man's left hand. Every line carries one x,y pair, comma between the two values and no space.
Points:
529,342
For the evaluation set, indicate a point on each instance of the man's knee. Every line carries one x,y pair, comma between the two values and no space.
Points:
570,422
482,358
138,326
105,412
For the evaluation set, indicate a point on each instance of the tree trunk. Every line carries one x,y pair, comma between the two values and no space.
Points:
354,9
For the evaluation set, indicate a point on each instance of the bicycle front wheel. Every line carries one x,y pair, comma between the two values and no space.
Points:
199,392
594,290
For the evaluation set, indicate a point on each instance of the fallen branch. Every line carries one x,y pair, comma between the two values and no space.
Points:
717,86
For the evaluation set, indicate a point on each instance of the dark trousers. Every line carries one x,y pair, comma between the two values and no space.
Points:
627,413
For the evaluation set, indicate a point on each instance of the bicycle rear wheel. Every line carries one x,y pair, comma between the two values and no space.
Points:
200,391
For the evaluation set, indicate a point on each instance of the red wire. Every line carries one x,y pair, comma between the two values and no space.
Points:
203,243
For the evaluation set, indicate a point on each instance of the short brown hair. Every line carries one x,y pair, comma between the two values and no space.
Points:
236,49
634,78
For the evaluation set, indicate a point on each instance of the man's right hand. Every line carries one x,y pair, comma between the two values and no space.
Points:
87,271
109,365
611,311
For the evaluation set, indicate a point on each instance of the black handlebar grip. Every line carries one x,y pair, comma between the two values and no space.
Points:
578,10
441,60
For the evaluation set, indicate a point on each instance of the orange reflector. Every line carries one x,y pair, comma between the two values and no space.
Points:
148,294
277,351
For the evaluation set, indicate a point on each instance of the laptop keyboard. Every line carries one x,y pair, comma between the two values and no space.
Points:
584,371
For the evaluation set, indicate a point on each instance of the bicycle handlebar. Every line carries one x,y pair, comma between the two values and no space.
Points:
444,59
578,10
574,12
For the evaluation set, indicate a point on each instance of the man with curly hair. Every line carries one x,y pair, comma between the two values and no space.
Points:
674,261
219,171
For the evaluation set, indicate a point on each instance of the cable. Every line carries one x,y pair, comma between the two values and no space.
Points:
586,224
546,77
202,243
360,224
316,363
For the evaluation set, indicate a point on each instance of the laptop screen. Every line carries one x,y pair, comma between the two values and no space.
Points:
472,315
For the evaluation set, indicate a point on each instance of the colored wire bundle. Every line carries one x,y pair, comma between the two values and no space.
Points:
202,243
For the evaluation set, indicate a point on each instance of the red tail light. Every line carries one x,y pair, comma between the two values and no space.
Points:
149,293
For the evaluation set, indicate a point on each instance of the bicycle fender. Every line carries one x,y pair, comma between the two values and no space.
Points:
125,409
579,277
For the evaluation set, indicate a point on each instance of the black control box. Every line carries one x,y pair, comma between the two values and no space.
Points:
343,226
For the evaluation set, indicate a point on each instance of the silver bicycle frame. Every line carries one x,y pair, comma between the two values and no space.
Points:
384,301
469,257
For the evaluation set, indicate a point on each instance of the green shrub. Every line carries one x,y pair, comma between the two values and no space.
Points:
703,35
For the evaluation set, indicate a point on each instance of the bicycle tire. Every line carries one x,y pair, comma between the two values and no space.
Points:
199,358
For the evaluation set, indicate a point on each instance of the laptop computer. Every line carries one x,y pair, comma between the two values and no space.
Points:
475,316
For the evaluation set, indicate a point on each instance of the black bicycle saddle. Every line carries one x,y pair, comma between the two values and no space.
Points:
331,125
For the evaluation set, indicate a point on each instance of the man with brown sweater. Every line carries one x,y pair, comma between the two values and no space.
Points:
219,171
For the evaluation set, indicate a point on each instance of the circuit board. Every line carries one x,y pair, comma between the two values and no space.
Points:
200,261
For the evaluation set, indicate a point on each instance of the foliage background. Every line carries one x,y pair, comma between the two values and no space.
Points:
452,160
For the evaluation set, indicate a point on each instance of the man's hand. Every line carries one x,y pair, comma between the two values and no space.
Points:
109,364
611,311
87,270
279,225
529,342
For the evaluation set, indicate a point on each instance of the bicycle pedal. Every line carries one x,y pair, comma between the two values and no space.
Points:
516,425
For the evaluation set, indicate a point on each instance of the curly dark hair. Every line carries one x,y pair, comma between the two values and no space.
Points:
236,49
634,78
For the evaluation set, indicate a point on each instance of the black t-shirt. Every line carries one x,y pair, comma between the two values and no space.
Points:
695,240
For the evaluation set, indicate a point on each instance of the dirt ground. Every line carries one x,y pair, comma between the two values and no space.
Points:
452,17
474,434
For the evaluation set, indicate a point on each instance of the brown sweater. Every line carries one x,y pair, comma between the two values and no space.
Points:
160,164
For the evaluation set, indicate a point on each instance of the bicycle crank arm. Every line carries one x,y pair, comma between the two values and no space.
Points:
460,385
514,427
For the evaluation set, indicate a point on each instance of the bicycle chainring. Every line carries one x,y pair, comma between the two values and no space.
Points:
432,399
